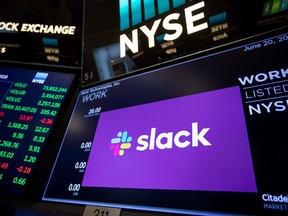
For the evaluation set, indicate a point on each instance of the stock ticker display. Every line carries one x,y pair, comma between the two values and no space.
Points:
29,104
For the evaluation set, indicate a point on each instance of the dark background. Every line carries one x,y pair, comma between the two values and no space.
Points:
97,24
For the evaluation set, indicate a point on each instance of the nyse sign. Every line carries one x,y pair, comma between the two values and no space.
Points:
168,24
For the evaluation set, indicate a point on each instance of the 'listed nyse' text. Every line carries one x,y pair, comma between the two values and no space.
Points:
265,92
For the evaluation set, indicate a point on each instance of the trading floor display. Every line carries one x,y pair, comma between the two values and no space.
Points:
30,101
167,106
203,134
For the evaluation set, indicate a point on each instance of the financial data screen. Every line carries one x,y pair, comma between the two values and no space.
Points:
30,101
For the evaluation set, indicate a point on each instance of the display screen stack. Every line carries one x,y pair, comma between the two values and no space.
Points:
40,65
200,135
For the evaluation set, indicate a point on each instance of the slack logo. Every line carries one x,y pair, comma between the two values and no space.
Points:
180,139
120,143
162,141
170,24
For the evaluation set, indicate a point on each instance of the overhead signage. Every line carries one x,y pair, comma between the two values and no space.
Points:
46,33
37,28
169,23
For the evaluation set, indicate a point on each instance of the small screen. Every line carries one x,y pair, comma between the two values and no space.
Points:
29,104
205,134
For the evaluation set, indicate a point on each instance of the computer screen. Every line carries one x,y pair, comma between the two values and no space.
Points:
204,134
30,101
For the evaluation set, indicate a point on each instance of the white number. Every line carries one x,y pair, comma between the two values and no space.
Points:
74,187
86,145
80,165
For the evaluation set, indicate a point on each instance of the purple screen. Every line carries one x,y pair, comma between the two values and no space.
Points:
196,142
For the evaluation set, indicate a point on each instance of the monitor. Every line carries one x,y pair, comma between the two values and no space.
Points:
30,102
201,135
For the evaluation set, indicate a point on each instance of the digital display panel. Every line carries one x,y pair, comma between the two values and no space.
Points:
42,32
176,141
138,34
30,101
205,134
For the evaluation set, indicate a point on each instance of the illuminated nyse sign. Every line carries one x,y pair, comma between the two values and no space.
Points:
169,23
37,28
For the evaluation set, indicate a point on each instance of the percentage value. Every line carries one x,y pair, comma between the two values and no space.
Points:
4,165
35,149
46,121
39,129
18,135
19,181
29,159
39,139
23,169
